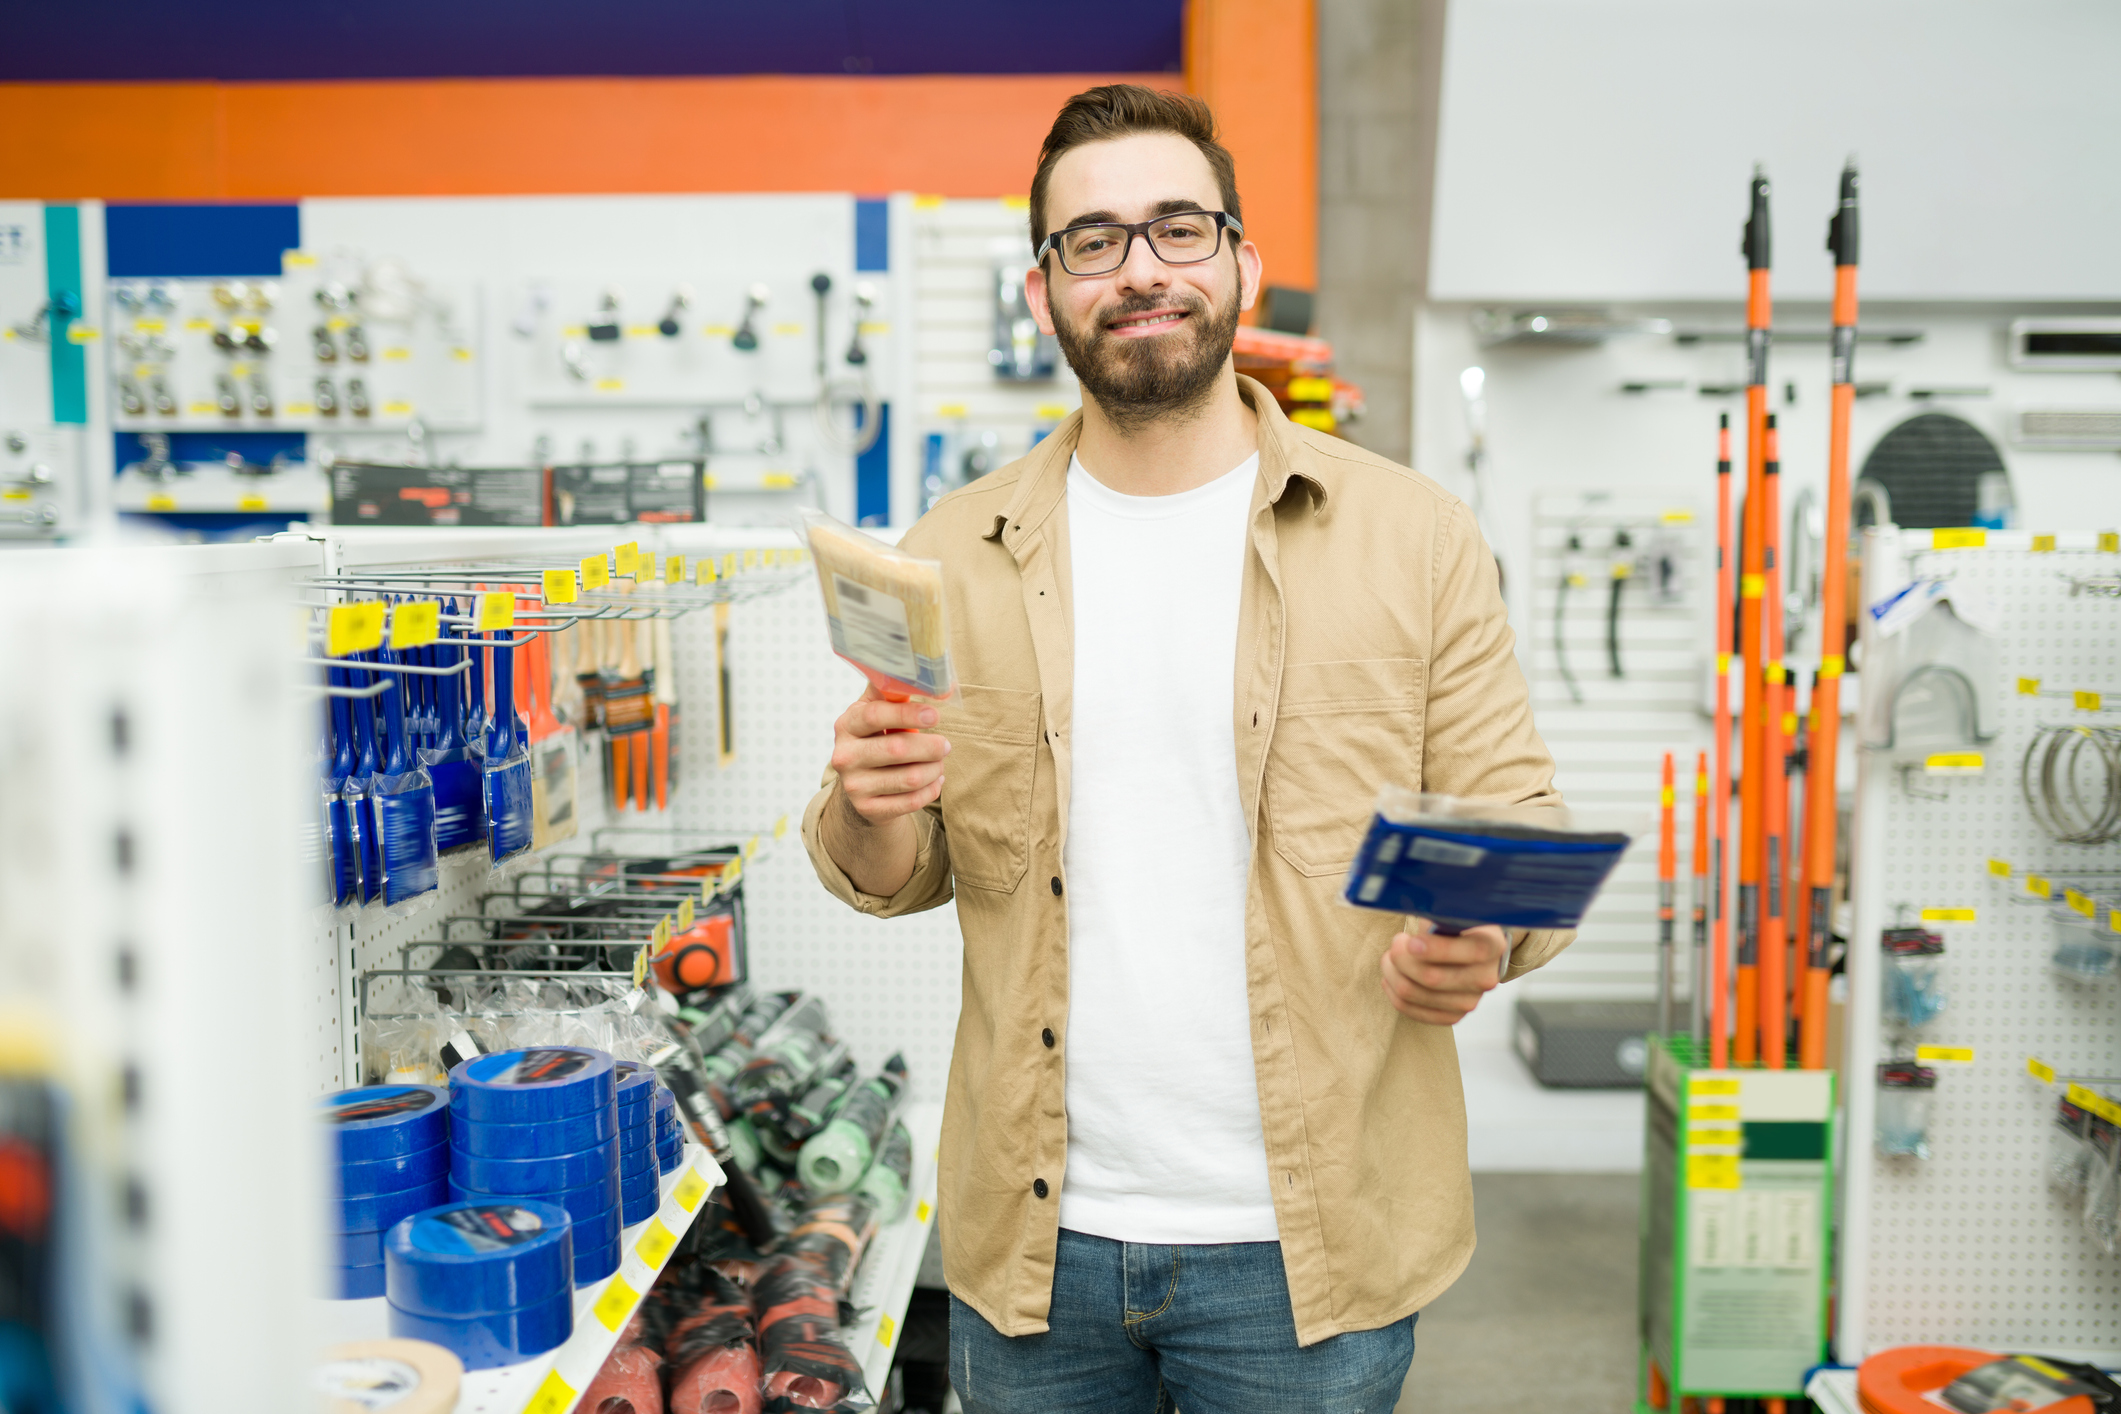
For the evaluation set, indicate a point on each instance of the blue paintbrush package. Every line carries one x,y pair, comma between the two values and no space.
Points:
510,819
405,810
1460,863
460,814
342,849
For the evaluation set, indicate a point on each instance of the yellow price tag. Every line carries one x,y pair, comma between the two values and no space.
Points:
2028,687
886,1328
165,503
1697,1113
1712,1171
2039,887
920,1211
296,260
691,1188
1965,537
1715,1138
703,570
2000,868
1713,1087
554,1396
780,827
751,846
254,503
596,572
616,1304
1948,915
497,610
685,916
2113,919
660,940
2085,701
354,628
640,965
751,559
776,481
1833,665
415,624
733,872
560,586
2109,541
1945,1055
730,563
1751,586
2043,544
2079,902
1954,763
655,1244
673,569
627,557
2040,1070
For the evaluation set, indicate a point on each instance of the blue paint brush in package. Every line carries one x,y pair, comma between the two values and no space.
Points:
342,850
510,818
360,811
405,810
1460,863
460,821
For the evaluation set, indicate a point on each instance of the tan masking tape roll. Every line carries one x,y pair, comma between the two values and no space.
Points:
395,1376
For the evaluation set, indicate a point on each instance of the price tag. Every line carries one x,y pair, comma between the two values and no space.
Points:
1713,1087
497,611
780,827
691,1188
2110,541
886,1328
2091,1100
673,569
554,1396
2040,1070
2039,887
751,559
2000,868
660,939
415,624
2079,902
2085,701
685,916
596,572
254,503
655,1244
1751,586
703,570
1948,915
1954,763
920,1212
2028,687
644,567
640,966
354,628
1965,537
1712,1171
627,558
1715,1138
1945,1055
165,503
730,875
2113,919
616,1304
751,846
776,481
2043,544
1697,1113
560,586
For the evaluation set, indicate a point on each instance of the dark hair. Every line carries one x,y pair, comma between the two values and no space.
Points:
1114,110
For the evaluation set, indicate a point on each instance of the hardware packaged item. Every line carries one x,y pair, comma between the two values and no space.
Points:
2102,1188
365,493
1914,993
620,493
1930,677
800,1351
836,1159
1906,1093
1461,863
712,1351
2083,951
2069,1149
885,611
890,1175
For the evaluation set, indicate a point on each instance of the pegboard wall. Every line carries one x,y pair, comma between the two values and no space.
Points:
1609,746
1970,1246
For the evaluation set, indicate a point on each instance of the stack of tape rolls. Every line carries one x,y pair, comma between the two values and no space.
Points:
669,1139
492,1282
390,1159
403,1376
542,1124
638,1194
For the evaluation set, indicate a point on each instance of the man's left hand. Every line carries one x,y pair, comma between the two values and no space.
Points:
1440,977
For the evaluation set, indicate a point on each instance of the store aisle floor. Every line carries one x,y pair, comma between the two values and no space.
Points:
1549,1299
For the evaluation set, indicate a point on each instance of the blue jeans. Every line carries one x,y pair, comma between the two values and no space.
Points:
1143,1329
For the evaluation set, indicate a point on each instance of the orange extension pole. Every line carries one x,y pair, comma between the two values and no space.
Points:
1698,972
1667,886
1822,819
1719,924
1774,776
1752,839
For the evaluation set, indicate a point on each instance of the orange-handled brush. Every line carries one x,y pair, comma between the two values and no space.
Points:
1698,974
1667,878
1720,822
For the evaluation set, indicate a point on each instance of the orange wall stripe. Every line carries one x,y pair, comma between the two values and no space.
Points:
972,136
1256,64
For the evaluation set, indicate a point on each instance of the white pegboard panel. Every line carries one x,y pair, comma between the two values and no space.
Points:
1970,1246
1608,748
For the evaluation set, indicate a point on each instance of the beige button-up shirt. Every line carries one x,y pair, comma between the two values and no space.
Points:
1372,648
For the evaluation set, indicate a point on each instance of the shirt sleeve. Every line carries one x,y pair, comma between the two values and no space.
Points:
929,886
1480,740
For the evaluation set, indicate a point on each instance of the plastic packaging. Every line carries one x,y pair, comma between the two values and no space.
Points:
890,1175
532,1085
631,1381
2069,1150
1930,669
1914,993
712,1350
498,1338
885,610
2102,1188
381,1121
833,1233
2083,951
460,811
510,811
466,1259
800,1353
1460,863
1905,1095
836,1159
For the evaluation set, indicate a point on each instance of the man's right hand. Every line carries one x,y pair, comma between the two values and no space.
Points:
888,767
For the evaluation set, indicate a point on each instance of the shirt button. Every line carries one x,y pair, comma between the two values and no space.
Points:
1047,1036
1038,1186
1056,886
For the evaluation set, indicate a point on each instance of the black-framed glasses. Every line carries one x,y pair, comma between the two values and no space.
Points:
1182,238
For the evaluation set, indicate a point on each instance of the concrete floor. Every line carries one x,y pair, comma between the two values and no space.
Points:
1551,1288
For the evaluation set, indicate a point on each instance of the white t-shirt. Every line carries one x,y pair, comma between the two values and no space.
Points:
1164,1141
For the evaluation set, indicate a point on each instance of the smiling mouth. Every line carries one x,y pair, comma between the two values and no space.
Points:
1153,322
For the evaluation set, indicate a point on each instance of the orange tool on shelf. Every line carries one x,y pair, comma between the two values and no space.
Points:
1667,879
1822,817
1752,839
1698,970
1720,823
1774,778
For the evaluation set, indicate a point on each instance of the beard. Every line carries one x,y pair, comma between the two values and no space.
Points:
1136,382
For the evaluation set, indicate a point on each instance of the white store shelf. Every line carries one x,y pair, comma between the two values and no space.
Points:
884,1284
552,1382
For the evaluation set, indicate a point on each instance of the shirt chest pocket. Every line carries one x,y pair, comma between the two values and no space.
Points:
987,782
1342,730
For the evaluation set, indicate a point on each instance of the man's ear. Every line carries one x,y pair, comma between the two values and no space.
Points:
1039,298
1250,269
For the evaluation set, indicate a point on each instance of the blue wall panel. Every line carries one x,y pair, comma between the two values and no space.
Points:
229,239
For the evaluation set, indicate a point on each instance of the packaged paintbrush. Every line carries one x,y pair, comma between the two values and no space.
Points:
405,810
885,610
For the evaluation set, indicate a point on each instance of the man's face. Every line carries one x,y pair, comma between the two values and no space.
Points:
1148,339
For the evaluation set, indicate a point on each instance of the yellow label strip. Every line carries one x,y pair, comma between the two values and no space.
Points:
2040,1070
416,624
655,1244
354,628
497,611
560,586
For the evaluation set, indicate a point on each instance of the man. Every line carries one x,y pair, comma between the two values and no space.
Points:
1205,1137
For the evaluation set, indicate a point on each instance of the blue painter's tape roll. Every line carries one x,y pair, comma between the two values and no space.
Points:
374,1213
530,1086
357,1283
583,1203
639,1209
597,1256
550,1175
633,1136
365,1178
499,1338
472,1259
537,1141
669,1156
385,1121
358,1249
636,1085
633,1166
